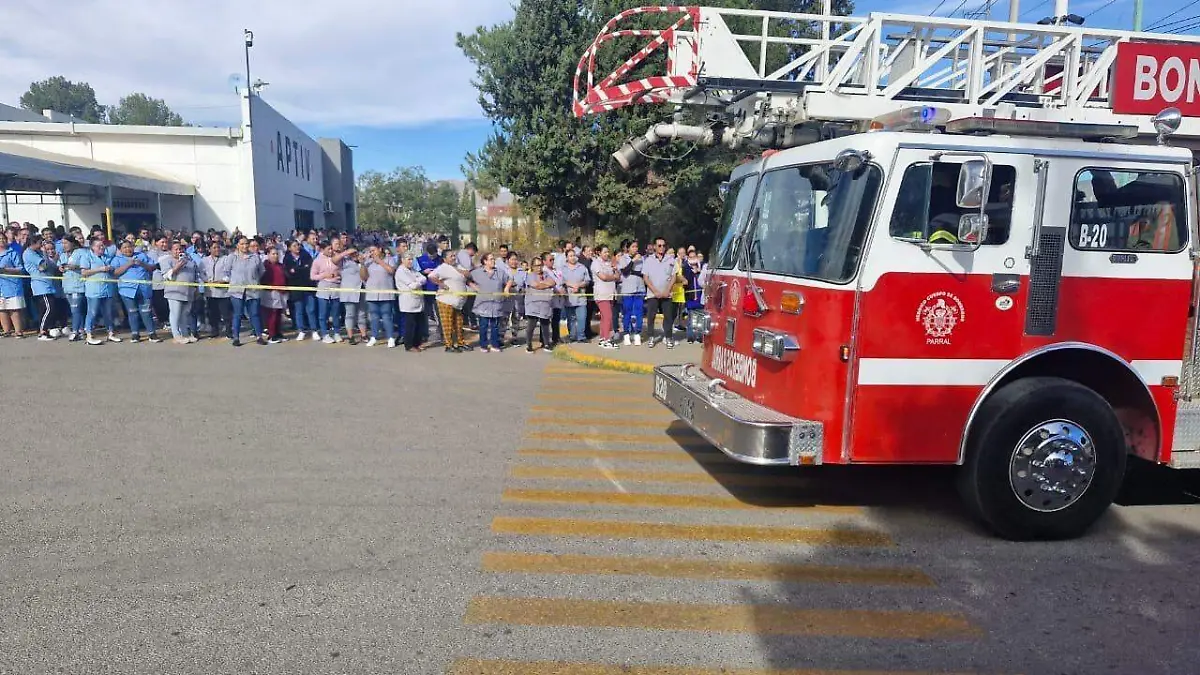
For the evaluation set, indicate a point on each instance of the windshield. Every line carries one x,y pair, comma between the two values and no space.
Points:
733,221
811,221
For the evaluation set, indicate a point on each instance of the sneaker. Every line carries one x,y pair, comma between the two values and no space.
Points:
391,343
94,341
483,350
300,336
670,344
626,340
372,342
337,338
353,341
153,337
55,332
494,350
180,341
547,349
45,338
637,340
72,337
328,339
236,342
261,341
192,339
650,343
529,350
274,341
691,341
113,338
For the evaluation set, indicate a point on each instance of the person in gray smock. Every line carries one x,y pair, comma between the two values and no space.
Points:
490,282
245,270
575,279
539,290
181,272
658,271
214,270
377,272
352,297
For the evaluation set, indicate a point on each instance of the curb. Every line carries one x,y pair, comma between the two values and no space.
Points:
565,353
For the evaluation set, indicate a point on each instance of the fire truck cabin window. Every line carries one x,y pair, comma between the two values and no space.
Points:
926,209
811,221
733,222
1128,211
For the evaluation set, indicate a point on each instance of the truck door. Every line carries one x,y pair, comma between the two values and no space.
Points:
938,316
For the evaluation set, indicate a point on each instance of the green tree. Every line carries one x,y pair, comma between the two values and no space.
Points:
140,109
405,200
62,95
560,166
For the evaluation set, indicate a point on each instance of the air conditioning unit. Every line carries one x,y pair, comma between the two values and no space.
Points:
328,207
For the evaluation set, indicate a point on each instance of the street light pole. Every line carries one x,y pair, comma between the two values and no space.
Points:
249,38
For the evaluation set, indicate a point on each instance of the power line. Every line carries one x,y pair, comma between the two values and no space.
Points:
1191,26
1169,26
1101,7
955,10
1159,21
1033,9
935,9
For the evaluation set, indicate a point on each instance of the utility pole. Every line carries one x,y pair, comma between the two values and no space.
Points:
249,36
1137,15
1014,11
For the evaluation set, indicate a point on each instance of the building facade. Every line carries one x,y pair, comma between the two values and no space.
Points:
263,176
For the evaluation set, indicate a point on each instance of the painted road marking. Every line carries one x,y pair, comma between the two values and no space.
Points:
692,439
567,387
669,501
507,667
597,422
743,618
708,570
604,410
618,529
692,477
697,456
560,395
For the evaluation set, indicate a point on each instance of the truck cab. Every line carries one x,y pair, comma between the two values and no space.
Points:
1009,297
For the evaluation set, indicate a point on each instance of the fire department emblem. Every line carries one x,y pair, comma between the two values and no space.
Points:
940,313
735,294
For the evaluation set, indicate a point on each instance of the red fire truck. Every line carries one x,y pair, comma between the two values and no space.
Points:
973,247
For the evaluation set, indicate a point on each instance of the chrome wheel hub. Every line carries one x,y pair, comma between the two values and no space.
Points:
1052,465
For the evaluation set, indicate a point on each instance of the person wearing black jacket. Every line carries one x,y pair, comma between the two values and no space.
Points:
297,271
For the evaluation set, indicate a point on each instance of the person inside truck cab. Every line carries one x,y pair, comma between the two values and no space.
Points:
946,214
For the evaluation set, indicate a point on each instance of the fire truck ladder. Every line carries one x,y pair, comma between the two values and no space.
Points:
848,70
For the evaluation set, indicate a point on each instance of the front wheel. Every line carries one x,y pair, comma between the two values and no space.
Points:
1045,459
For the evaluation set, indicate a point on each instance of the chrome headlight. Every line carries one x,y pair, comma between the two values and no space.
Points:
775,346
701,322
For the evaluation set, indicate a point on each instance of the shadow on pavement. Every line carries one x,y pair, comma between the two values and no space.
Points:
1121,599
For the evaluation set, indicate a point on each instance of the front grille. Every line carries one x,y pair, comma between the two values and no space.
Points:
1045,271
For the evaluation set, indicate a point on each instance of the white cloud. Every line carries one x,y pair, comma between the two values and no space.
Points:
332,62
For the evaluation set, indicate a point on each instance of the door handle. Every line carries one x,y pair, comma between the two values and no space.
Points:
1006,284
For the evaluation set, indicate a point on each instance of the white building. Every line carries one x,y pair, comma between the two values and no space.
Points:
263,176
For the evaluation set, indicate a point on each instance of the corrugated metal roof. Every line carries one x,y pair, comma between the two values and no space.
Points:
25,162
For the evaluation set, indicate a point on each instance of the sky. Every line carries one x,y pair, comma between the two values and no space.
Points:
385,77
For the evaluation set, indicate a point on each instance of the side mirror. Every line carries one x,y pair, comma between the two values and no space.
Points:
974,180
723,190
972,228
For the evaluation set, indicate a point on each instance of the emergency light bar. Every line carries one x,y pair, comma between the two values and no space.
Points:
920,117
1010,127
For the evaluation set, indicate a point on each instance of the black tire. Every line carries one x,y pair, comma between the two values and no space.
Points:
1003,420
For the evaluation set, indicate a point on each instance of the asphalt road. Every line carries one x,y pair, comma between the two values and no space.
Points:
326,509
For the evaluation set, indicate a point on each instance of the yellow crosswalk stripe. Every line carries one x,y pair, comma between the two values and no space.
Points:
503,667
575,387
567,421
595,372
558,395
708,570
669,501
624,475
645,411
508,667
617,529
743,618
698,456
688,438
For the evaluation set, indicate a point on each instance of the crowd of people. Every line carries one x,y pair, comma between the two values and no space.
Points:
372,287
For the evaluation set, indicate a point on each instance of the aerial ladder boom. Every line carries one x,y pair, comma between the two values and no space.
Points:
843,71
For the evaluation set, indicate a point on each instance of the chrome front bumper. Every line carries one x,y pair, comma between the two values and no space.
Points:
742,429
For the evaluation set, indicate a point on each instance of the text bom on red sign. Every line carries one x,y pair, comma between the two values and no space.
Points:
1150,77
